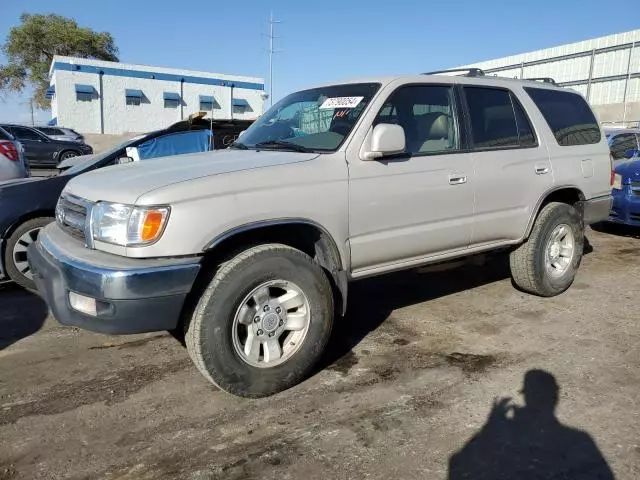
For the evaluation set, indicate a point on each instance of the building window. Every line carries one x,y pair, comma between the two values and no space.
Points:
133,97
84,93
84,97
171,99
207,103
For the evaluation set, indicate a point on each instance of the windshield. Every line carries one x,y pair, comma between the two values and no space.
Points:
95,159
318,119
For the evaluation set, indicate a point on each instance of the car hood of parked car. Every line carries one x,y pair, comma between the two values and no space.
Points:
73,161
630,171
19,181
126,183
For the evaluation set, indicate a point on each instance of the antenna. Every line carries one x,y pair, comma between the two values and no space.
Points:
271,52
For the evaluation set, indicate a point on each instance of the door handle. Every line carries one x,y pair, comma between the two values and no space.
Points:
457,179
541,169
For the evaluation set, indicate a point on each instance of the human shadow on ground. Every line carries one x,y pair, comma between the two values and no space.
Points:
22,314
528,442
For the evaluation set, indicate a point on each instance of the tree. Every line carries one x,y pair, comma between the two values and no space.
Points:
30,48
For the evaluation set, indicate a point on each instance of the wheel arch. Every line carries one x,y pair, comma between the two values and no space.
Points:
570,195
303,234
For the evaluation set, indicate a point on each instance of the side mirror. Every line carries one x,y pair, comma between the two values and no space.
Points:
123,160
631,153
386,139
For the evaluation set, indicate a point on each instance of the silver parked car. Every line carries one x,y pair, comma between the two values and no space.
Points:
250,249
59,133
12,160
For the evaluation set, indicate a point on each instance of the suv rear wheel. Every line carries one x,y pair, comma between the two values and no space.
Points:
547,262
263,322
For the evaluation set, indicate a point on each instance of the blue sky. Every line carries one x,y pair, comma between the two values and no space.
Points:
323,41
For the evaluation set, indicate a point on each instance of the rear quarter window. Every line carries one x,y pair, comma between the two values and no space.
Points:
568,115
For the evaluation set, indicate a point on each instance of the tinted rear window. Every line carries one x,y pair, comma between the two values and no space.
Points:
497,119
51,131
4,135
568,115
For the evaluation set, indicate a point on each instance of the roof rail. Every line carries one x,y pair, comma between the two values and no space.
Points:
471,72
542,79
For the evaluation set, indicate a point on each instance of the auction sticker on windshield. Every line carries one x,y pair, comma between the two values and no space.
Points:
340,102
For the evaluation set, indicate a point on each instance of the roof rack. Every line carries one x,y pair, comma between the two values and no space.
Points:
542,79
471,72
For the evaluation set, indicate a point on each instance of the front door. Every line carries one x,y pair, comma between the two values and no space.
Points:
418,204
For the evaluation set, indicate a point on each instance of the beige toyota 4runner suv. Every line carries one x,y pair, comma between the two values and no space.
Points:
251,249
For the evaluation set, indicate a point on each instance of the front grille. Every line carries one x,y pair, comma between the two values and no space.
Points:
71,215
635,188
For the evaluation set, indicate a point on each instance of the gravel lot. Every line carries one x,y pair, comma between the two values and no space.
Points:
411,377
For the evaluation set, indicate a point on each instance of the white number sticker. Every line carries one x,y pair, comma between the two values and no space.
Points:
341,102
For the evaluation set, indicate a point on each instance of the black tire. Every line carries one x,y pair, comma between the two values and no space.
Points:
209,332
68,154
14,267
528,261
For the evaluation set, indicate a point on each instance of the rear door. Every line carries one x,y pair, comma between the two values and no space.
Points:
512,168
38,148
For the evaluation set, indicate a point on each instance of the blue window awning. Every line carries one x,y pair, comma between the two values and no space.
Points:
240,102
53,122
133,93
84,88
171,96
206,98
51,91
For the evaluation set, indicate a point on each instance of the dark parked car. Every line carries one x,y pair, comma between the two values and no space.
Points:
42,151
28,205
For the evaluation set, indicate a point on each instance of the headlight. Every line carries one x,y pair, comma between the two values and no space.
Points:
127,225
617,182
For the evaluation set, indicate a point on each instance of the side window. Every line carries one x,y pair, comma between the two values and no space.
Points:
493,121
25,134
426,114
51,131
621,143
525,132
568,115
175,144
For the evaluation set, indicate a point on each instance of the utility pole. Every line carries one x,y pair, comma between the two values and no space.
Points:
271,52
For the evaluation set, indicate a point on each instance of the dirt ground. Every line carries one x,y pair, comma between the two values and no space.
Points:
411,377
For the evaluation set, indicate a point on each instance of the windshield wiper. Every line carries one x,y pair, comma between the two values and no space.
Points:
284,144
239,146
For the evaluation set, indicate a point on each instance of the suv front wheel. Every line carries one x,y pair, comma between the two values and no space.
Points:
547,262
263,322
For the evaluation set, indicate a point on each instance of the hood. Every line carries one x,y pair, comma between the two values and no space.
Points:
73,161
630,171
126,183
20,181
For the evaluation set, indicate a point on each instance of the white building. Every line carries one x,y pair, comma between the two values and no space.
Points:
93,96
606,70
